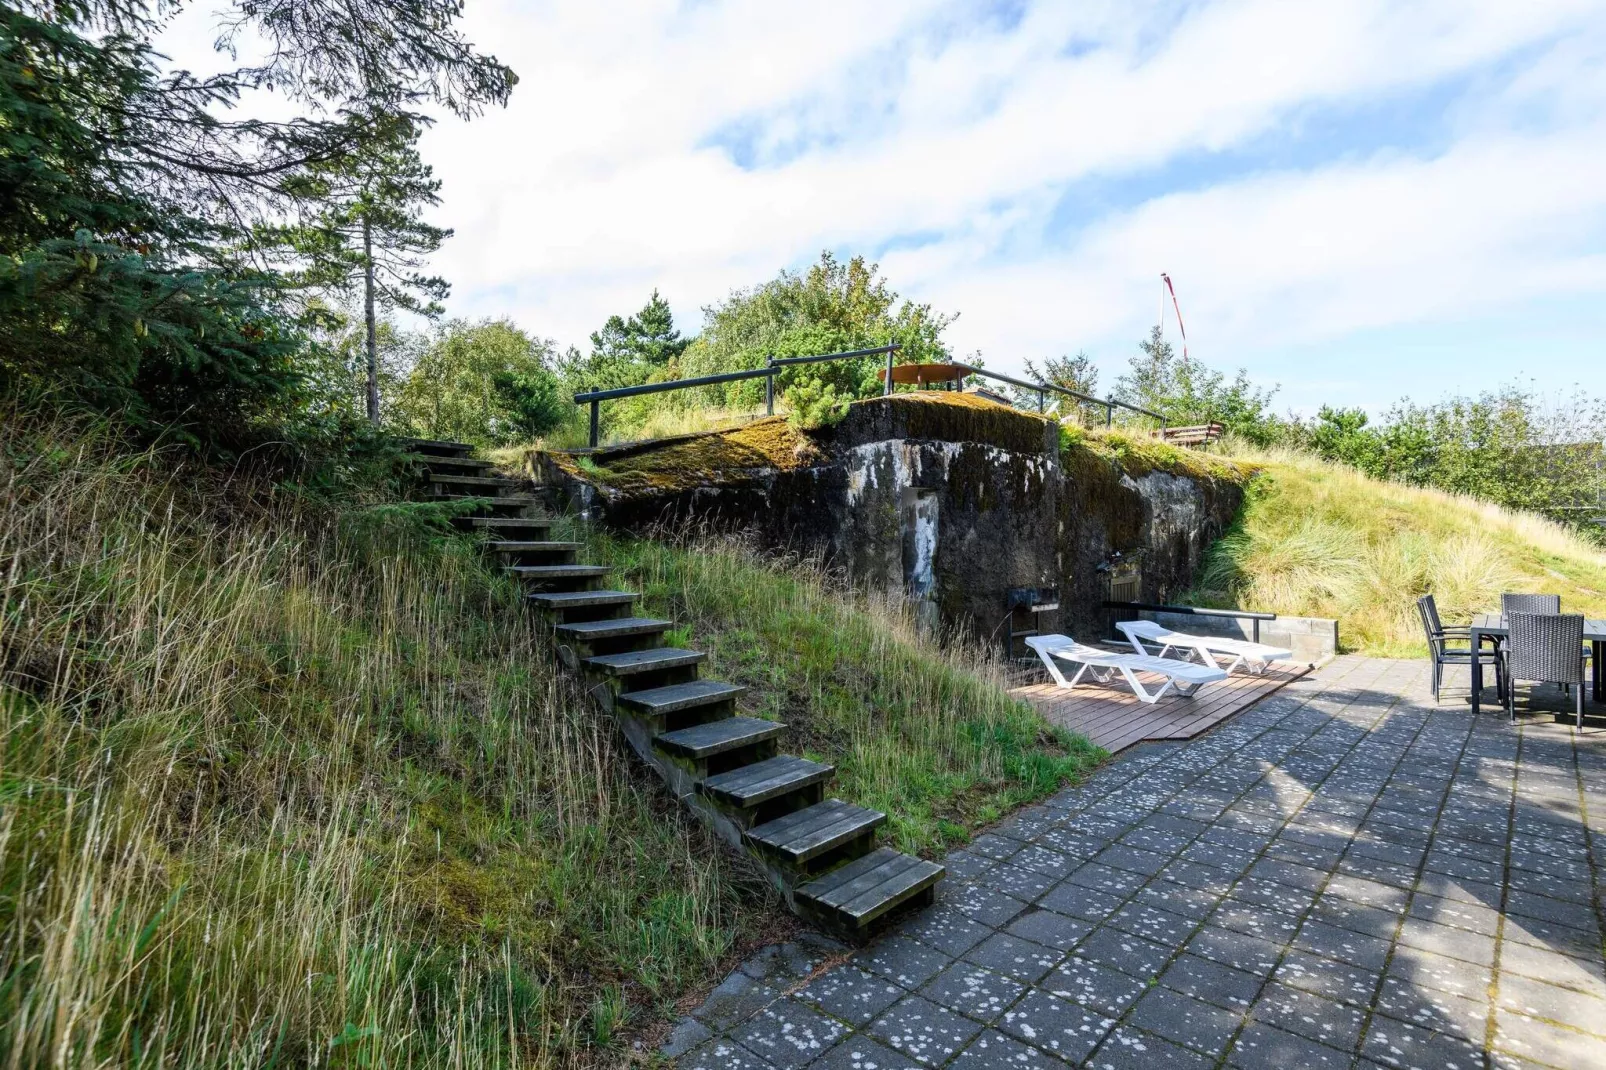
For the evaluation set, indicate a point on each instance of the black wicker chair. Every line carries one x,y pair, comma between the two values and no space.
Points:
1545,648
1530,603
1442,650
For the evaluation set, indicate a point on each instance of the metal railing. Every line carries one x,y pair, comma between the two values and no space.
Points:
1110,404
1196,611
772,368
775,365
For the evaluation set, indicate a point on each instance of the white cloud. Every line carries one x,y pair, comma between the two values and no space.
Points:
604,177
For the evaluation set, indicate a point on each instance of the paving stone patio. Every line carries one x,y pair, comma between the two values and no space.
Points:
1343,876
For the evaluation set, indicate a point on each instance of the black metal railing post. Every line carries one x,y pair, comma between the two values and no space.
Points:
891,351
1042,400
769,387
1109,414
596,417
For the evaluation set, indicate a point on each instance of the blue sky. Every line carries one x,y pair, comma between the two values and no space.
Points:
1357,200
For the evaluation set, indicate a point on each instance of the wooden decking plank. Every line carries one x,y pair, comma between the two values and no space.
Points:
1113,718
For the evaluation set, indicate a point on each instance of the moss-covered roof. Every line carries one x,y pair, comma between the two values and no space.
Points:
688,461
772,444
1138,455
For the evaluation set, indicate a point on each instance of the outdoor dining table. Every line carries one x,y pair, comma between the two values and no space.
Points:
1495,624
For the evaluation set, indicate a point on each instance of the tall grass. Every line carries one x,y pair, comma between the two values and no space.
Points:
924,732
1320,539
282,787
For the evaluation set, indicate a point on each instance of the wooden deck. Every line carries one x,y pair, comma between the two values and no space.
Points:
1111,716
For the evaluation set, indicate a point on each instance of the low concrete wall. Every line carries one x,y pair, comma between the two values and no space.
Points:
1312,639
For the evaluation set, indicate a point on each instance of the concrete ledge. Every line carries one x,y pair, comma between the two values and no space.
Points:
1312,639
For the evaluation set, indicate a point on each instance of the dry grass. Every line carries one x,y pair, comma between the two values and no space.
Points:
1324,540
282,788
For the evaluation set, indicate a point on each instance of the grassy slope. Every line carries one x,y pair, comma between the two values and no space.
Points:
926,735
278,781
1322,540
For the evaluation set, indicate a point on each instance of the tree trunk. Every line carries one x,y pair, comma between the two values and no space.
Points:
372,331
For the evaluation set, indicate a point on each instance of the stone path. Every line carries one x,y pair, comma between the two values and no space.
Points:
1343,876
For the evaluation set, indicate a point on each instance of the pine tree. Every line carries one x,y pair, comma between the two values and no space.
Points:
367,236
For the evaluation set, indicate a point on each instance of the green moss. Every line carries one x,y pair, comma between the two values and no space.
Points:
1139,455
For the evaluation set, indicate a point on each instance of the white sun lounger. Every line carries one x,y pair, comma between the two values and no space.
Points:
1185,676
1254,656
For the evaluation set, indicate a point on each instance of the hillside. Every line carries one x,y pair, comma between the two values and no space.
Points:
287,784
1317,539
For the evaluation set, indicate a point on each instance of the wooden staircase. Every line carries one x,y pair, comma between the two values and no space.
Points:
819,852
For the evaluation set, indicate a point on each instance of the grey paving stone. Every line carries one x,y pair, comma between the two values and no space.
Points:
1570,971
1547,1043
851,994
1368,952
1564,1006
992,1050
789,1034
986,905
1408,1047
903,961
973,991
722,1054
1133,1049
1060,1027
994,846
1327,978
1015,881
1050,929
1130,954
1102,878
1101,988
945,928
1430,970
1186,901
1447,940
1256,920
924,1031
1152,923
1431,1009
1475,917
735,999
1262,1046
1079,901
1020,959
1298,1011
1043,860
859,1052
1212,982
1193,1023
687,1034
1251,954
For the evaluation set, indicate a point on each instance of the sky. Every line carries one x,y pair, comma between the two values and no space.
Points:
1357,201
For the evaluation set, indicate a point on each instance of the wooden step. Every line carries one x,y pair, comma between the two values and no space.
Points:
497,525
561,600
661,701
617,628
718,737
475,486
634,662
753,785
815,830
495,504
437,447
547,573
453,466
868,887
532,546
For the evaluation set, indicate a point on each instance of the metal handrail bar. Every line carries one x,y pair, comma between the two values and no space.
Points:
594,398
1196,611
670,384
1109,403
877,351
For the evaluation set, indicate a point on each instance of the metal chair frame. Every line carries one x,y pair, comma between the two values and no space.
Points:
1441,653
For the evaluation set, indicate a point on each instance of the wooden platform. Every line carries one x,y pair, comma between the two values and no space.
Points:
1111,716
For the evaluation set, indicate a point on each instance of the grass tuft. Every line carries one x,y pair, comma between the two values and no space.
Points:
1318,539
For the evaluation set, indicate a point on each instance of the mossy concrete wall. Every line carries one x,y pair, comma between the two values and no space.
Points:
1009,499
